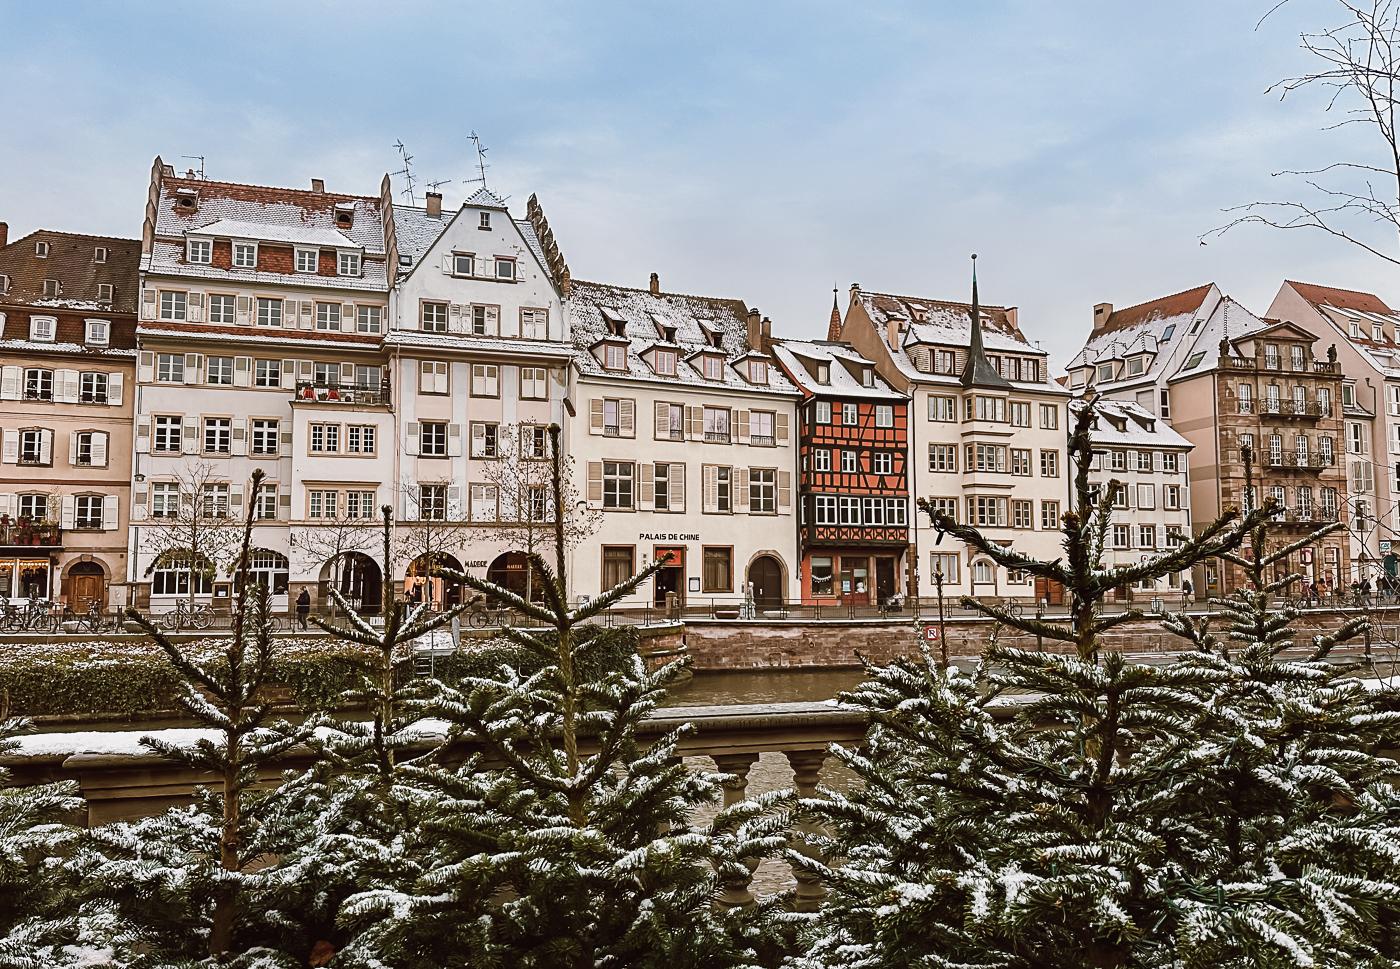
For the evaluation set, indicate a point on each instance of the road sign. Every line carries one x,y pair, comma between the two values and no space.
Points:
930,634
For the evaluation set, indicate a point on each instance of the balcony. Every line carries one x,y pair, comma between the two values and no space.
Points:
25,534
1301,462
612,430
671,434
1292,408
38,393
717,437
372,394
1307,516
762,440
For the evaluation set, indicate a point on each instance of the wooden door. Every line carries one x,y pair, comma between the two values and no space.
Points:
85,590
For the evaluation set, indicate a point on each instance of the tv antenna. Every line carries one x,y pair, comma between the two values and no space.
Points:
481,165
406,171
437,185
199,158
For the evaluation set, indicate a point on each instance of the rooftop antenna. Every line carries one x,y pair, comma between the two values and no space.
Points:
200,159
437,185
406,171
481,165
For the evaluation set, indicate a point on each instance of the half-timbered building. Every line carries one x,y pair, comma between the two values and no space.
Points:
853,485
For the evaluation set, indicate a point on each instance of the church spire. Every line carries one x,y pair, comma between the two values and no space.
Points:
979,372
833,329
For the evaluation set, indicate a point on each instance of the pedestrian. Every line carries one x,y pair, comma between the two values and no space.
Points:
303,607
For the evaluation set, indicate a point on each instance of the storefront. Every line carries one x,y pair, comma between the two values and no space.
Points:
25,576
855,577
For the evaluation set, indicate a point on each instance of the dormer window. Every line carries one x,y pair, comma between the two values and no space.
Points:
348,264
52,289
1355,330
1377,333
615,357
1167,333
712,367
867,377
1105,371
41,249
664,362
185,198
307,260
4,283
758,372
199,251
824,373
344,215
505,268
245,255
96,333
43,329
617,326
1135,366
99,254
484,221
463,264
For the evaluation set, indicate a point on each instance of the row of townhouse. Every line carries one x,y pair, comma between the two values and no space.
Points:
363,353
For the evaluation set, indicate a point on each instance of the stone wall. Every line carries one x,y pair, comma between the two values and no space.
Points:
746,645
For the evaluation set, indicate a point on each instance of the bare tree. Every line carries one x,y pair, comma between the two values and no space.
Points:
328,540
433,527
1358,64
198,532
521,479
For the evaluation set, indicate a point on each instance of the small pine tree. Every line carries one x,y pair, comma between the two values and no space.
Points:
563,840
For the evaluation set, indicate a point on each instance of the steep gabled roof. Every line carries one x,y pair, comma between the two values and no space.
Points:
71,261
1177,304
1348,299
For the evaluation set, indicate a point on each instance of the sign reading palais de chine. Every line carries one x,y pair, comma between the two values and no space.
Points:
666,537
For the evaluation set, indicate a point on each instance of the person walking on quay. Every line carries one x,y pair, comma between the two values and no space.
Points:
303,608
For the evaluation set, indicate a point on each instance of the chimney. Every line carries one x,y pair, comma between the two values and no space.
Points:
4,233
1012,317
892,328
1102,311
755,328
318,185
765,332
434,204
655,284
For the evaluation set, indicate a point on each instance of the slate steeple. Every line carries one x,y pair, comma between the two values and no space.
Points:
979,371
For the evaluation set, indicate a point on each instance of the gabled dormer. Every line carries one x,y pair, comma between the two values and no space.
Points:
615,322
708,363
753,367
712,335
611,352
662,359
665,330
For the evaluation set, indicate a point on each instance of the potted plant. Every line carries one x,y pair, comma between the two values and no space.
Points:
333,393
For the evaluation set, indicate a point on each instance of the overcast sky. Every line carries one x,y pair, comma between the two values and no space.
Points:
764,151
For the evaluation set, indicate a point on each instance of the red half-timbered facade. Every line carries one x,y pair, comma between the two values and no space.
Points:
853,482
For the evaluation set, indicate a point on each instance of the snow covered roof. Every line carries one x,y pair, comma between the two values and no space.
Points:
1125,424
415,231
303,234
1345,307
1228,320
467,343
590,305
799,360
71,260
1160,327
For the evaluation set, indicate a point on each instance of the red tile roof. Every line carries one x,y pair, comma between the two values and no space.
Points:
1173,305
71,261
1348,299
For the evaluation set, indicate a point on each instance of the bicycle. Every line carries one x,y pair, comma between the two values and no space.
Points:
196,615
91,619
1010,607
34,616
486,616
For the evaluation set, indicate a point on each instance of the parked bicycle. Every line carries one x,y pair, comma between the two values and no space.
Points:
1010,607
90,620
484,616
195,615
34,616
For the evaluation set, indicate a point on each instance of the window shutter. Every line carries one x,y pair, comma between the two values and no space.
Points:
780,422
304,371
191,435
148,303
194,307
595,416
627,418
235,499
143,435
242,371
239,437
66,386
695,423
284,505
289,375
10,378
478,440
454,318
138,501
741,425
308,314
595,482
347,317
661,425
493,318
709,485
9,448
454,440
347,374
410,442
46,446
69,512
114,389
677,482
99,449
646,488
741,489
289,314
193,362
73,448
447,264
146,367
285,447
109,512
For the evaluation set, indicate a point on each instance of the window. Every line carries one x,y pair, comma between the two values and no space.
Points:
221,309
942,457
264,435
432,377
1022,514
763,491
942,409
505,268
986,511
170,368
849,414
849,462
712,367
485,378
534,442
534,325
758,372
1049,464
1122,536
218,370
617,484
849,510
359,504
38,384
104,290
945,564
821,574
670,422
985,457
1135,366
96,332
368,319
823,415
199,251
1171,497
1144,460
321,503
1021,461
165,499
824,507
174,575
52,288
614,357
882,462
165,434
1105,372
87,511
534,383
986,408
716,424
617,565
1165,407
245,255
1356,438
432,439
218,435
328,316
213,500
308,260
1295,356
664,362
821,459
1146,497
172,305
433,318
1170,462
945,506
269,311
761,428
485,503
463,264
325,374
485,439
347,264
325,438
1147,536
483,320
360,438
267,373
1049,515
432,502
1271,356
1049,416
1020,414
89,449
724,490
33,446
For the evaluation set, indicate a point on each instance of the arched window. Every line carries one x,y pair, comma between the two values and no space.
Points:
172,575
268,568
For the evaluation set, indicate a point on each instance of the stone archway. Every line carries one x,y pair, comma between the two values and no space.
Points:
765,575
357,577
513,571
423,583
85,584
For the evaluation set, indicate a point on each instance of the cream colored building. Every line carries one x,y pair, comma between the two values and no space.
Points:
684,437
987,432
